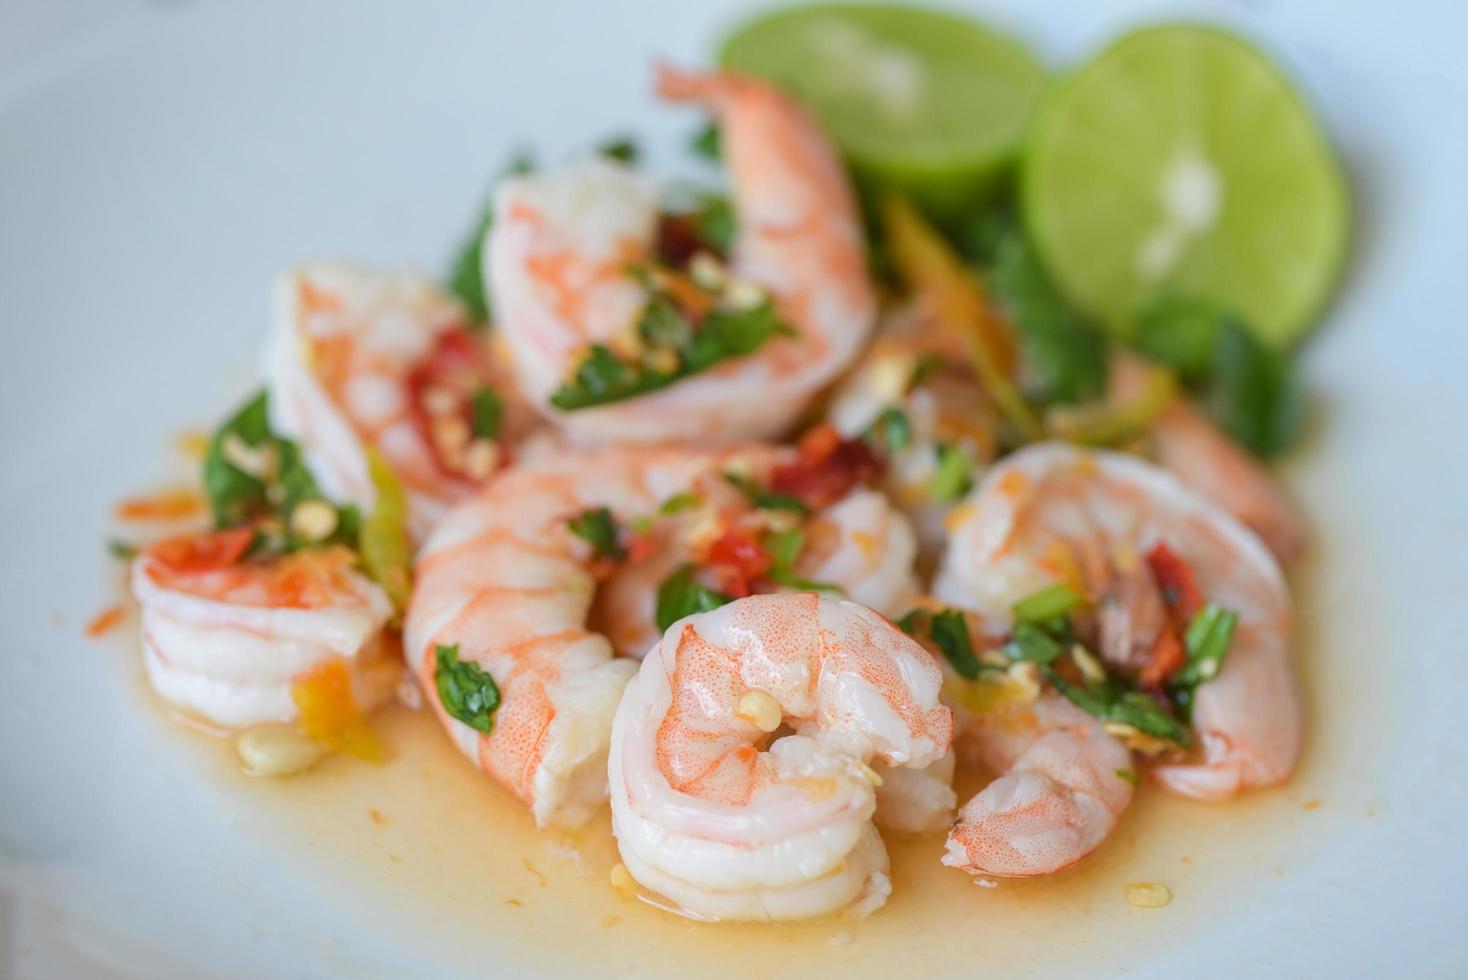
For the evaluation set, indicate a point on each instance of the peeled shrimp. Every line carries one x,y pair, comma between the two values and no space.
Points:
505,580
1055,514
557,255
226,643
361,359
1060,792
725,824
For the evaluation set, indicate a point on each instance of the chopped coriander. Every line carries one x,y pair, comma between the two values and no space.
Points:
1048,603
680,502
707,142
1207,640
949,630
682,595
952,479
766,499
623,149
713,218
468,693
598,527
602,377
486,411
890,430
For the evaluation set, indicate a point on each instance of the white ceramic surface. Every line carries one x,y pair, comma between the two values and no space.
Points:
150,185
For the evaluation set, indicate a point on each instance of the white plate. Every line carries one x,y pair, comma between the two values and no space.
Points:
151,185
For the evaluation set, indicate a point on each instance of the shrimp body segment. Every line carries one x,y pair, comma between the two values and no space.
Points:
361,359
558,254
1060,792
1053,514
722,822
226,644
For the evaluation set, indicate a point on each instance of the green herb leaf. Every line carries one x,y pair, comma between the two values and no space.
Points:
785,547
486,410
890,430
1207,641
766,499
1063,357
1130,776
1247,388
707,143
713,218
121,549
682,595
468,693
952,479
1032,643
912,621
466,276
597,526
1048,603
680,502
949,631
790,580
234,495
1110,701
623,149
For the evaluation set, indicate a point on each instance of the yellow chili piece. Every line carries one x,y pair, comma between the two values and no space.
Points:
387,553
329,713
931,269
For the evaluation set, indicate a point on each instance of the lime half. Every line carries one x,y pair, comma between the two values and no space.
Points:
1180,158
929,103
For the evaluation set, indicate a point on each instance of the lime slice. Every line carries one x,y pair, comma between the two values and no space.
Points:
929,103
1180,158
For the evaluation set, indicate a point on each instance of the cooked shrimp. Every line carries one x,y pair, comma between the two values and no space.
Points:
1060,791
724,823
558,253
506,580
1204,458
1054,514
224,638
916,801
360,358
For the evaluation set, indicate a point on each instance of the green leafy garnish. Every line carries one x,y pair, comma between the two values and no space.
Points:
682,595
890,430
1111,701
707,143
784,548
623,149
597,527
923,368
952,479
467,692
602,377
274,483
1247,388
1031,642
382,539
713,219
949,630
121,549
1063,357
1207,640
1130,776
680,502
466,275
486,410
1056,600
766,499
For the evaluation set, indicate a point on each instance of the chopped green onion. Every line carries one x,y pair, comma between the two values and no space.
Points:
890,430
1048,603
467,692
1032,643
680,502
952,479
1207,640
382,539
766,499
1130,776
